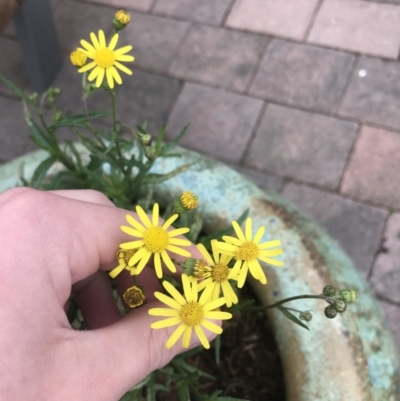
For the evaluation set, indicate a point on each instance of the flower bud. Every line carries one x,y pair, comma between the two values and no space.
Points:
121,20
150,152
186,202
144,139
307,316
349,296
134,296
329,291
78,58
195,267
330,312
340,305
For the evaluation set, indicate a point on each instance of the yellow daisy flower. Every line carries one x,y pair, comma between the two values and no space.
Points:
217,274
189,312
247,250
123,257
154,240
105,59
78,58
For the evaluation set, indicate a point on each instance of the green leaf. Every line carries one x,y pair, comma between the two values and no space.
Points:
157,178
15,89
40,137
183,390
160,138
172,144
79,120
41,171
291,317
217,349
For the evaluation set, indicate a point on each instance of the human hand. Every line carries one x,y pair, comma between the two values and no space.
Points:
52,243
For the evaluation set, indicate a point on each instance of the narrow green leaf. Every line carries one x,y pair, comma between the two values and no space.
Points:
172,144
157,178
217,349
160,137
41,171
79,120
291,317
14,88
183,390
40,137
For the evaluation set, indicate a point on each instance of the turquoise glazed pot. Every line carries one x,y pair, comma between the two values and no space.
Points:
352,357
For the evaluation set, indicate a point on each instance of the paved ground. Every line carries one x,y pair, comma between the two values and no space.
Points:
303,95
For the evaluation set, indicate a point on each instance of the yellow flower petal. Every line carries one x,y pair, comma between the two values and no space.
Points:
179,251
169,221
132,244
259,235
172,321
125,58
143,261
123,50
238,231
131,231
134,223
205,254
211,326
137,256
232,240
110,79
87,67
187,334
272,262
168,300
175,336
249,231
163,312
156,211
269,244
176,232
95,72
116,75
123,68
143,216
179,241
217,315
243,275
157,265
100,77
202,337
214,304
95,41
114,272
113,41
86,45
271,252
167,260
174,292
102,38
187,288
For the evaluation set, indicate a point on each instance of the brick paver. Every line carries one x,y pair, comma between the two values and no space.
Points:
306,146
385,278
224,121
302,75
356,226
374,92
373,170
205,11
289,18
392,313
156,40
215,64
219,57
359,26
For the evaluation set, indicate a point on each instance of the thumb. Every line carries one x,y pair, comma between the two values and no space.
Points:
129,350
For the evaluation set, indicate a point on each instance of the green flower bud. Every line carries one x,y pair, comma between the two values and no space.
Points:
144,139
307,316
186,202
329,291
340,305
349,296
121,20
150,152
195,267
330,312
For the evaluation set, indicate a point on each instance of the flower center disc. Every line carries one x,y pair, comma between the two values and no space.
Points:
104,58
248,251
126,254
191,314
220,273
156,239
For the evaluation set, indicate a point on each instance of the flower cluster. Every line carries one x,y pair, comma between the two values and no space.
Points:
208,283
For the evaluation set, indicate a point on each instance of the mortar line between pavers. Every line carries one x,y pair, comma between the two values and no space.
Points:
387,300
348,83
227,13
151,8
111,6
312,21
332,192
180,45
257,65
378,251
253,133
349,157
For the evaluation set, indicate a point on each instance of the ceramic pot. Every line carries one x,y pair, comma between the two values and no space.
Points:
352,357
